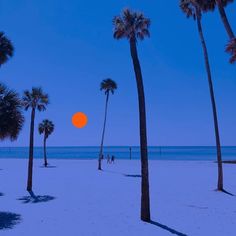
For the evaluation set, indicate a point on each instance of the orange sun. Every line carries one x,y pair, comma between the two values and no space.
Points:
79,120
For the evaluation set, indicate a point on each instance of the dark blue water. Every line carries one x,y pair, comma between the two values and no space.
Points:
122,152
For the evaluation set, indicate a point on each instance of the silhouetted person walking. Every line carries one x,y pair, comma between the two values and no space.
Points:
113,159
108,159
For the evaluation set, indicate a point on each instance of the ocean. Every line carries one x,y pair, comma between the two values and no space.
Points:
123,152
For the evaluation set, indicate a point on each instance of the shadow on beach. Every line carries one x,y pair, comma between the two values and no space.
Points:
165,227
134,176
1,194
8,220
36,198
126,175
48,166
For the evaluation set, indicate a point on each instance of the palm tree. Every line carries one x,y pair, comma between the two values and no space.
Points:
134,26
11,117
46,128
6,48
194,8
221,4
109,86
231,49
35,99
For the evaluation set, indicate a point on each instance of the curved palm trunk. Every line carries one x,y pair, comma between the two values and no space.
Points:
31,152
145,199
44,151
217,136
103,133
225,19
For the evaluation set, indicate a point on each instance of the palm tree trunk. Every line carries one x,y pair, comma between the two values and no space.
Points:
145,198
103,133
31,152
44,151
225,19
217,136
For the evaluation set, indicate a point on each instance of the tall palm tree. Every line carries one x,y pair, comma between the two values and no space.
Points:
133,26
46,128
6,49
221,4
35,99
194,8
109,86
11,117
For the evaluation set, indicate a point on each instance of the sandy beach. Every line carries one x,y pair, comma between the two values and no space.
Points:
183,200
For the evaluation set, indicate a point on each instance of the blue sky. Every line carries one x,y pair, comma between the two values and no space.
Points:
67,48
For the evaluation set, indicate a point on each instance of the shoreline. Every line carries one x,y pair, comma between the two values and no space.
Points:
77,199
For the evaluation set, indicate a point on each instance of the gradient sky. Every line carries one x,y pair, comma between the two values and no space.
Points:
67,48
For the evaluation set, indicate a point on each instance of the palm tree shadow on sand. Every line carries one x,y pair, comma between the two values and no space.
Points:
133,176
36,198
126,175
8,220
165,227
48,167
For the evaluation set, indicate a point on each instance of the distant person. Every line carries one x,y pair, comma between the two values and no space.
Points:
113,159
108,159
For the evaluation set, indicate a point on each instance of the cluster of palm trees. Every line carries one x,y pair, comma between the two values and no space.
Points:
11,110
134,26
196,9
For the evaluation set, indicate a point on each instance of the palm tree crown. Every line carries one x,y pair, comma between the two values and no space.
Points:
35,99
223,2
6,49
231,49
46,127
189,6
11,117
131,25
108,85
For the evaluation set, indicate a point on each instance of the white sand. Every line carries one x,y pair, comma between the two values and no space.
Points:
88,202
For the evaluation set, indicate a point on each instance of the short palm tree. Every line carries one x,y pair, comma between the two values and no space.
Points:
35,99
6,49
109,86
46,128
133,26
11,117
194,8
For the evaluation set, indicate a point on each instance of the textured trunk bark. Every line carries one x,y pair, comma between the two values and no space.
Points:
44,151
31,152
225,19
145,198
213,103
103,133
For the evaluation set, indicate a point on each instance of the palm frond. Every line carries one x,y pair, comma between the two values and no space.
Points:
6,48
11,117
46,127
108,85
131,25
35,98
231,49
